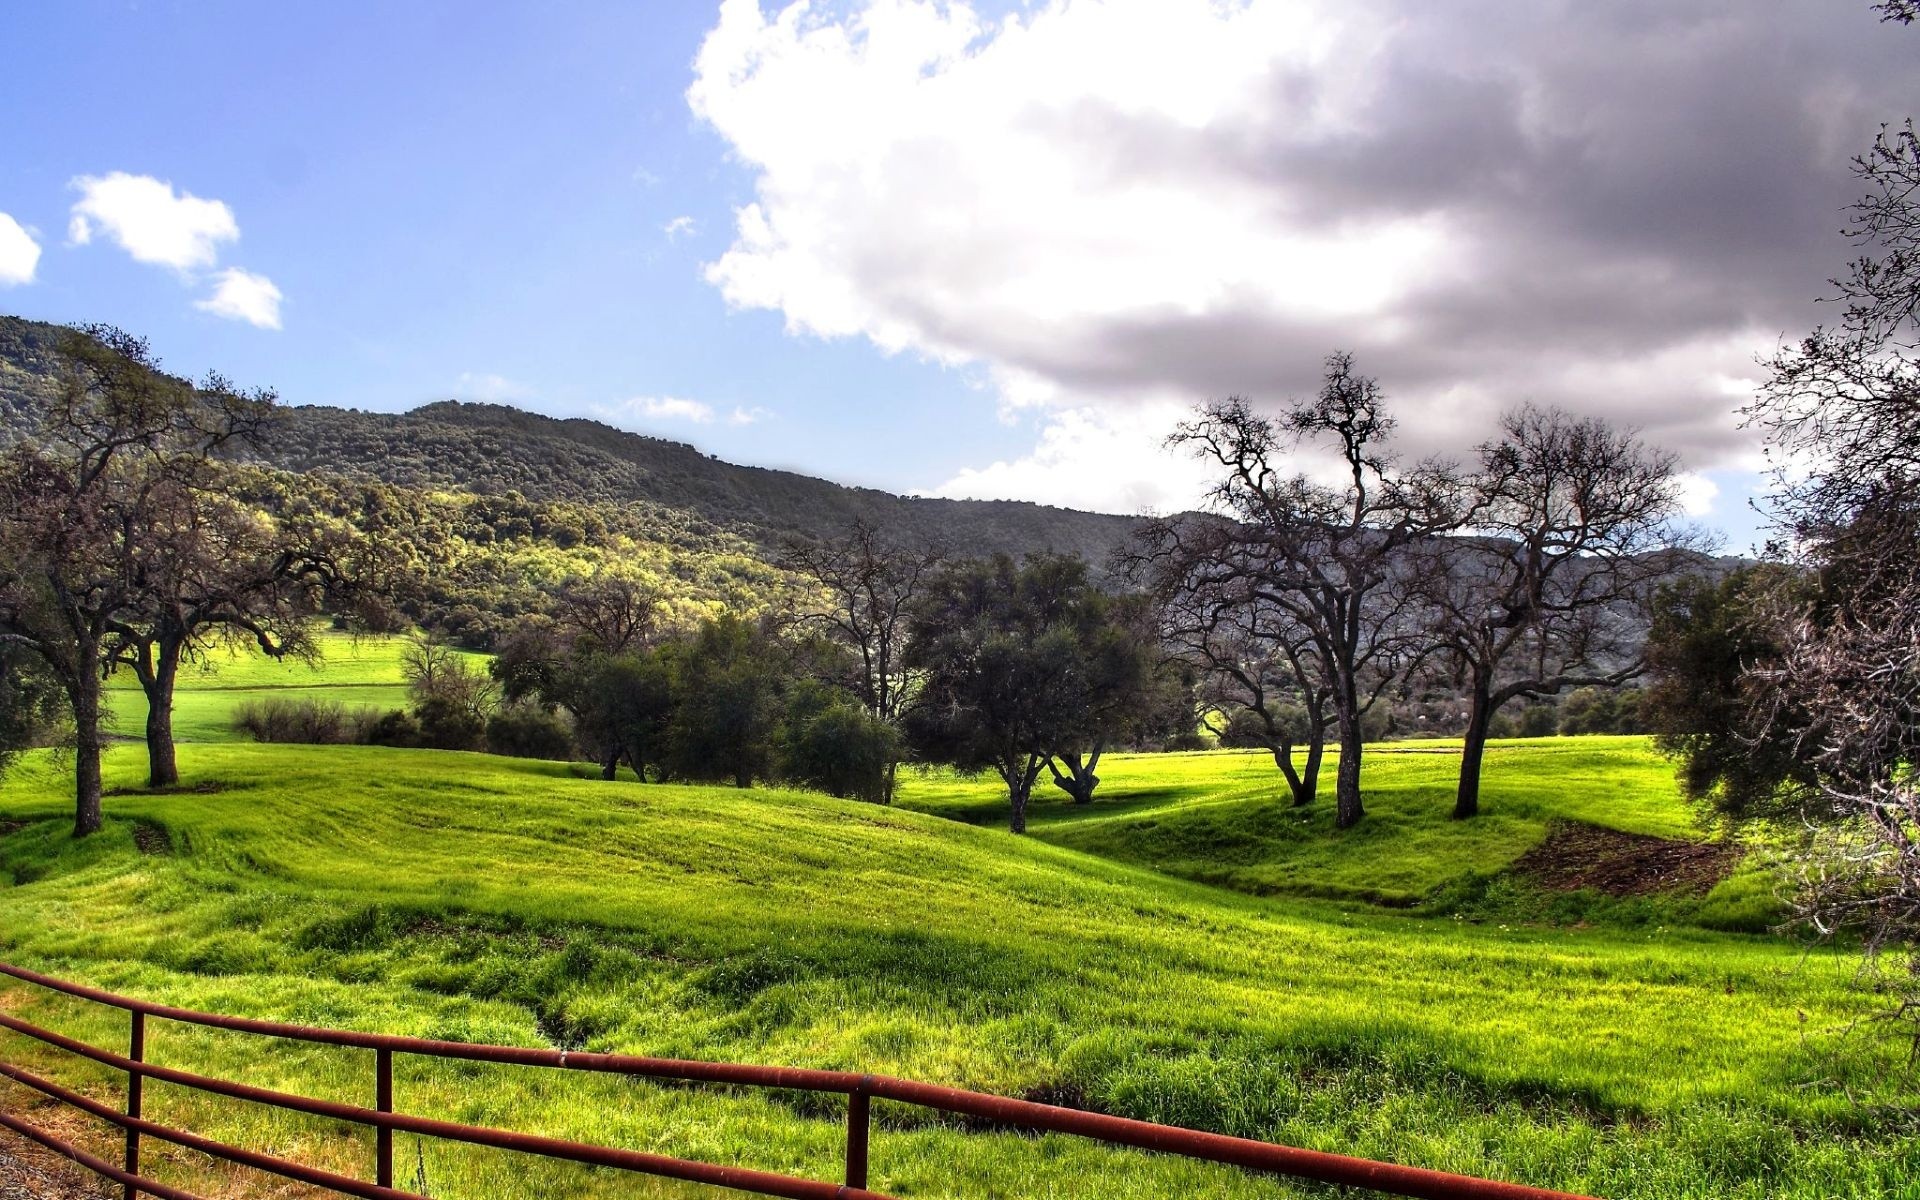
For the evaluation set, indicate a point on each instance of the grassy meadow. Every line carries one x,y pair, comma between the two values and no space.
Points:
353,671
1187,949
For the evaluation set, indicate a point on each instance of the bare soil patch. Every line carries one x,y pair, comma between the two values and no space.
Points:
29,1171
152,839
1577,856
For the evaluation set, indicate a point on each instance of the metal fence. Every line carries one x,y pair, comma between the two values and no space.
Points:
860,1091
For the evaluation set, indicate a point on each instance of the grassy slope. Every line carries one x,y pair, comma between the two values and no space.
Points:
1221,817
353,671
468,897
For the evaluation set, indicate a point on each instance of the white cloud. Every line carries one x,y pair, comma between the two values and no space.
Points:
243,296
151,221
748,416
1697,494
678,228
474,385
662,408
19,253
1107,460
1118,208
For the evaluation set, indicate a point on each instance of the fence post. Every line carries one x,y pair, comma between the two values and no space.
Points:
383,1100
137,1051
859,1122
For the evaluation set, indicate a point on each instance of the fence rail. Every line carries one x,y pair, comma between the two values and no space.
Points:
860,1091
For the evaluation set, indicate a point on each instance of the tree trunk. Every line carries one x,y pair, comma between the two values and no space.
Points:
1019,778
1079,779
610,766
1310,771
163,767
886,788
1466,801
84,691
1347,809
1296,786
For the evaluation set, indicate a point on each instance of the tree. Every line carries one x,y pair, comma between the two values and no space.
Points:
1710,644
866,588
1125,690
1261,680
119,434
211,570
1842,414
1572,524
1026,668
624,709
596,661
830,742
30,703
726,711
1330,556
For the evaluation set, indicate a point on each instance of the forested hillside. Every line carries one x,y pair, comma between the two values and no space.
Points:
492,449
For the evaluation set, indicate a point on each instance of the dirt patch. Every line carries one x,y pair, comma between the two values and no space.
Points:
1578,856
29,1171
152,839
8,825
206,787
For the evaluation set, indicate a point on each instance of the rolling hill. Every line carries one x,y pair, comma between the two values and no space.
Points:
494,449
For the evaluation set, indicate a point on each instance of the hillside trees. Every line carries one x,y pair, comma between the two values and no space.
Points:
119,437
1328,555
1571,527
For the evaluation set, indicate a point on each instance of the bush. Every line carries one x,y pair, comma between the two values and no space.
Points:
529,732
314,722
397,728
839,749
447,725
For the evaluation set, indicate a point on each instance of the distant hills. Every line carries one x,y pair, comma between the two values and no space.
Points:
493,449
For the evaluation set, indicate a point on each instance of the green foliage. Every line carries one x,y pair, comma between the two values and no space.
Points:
727,682
1708,636
828,741
528,731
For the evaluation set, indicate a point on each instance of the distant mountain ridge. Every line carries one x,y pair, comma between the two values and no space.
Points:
495,448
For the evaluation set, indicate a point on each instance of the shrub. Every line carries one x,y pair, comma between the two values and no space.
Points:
529,732
839,749
314,722
448,725
396,728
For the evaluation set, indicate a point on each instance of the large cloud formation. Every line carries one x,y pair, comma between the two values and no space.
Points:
1119,207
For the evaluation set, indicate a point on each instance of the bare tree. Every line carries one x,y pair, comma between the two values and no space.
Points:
1252,654
1329,555
608,613
1842,413
1573,526
866,590
120,434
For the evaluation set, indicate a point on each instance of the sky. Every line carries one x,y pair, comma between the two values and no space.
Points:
994,250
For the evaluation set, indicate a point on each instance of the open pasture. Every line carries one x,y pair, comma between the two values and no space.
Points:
469,897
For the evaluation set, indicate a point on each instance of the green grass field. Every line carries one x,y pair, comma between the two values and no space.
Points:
353,671
468,897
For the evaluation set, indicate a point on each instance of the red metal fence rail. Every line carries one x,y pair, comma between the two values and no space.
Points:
860,1091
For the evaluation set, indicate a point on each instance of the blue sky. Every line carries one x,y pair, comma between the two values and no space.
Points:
987,251
449,196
